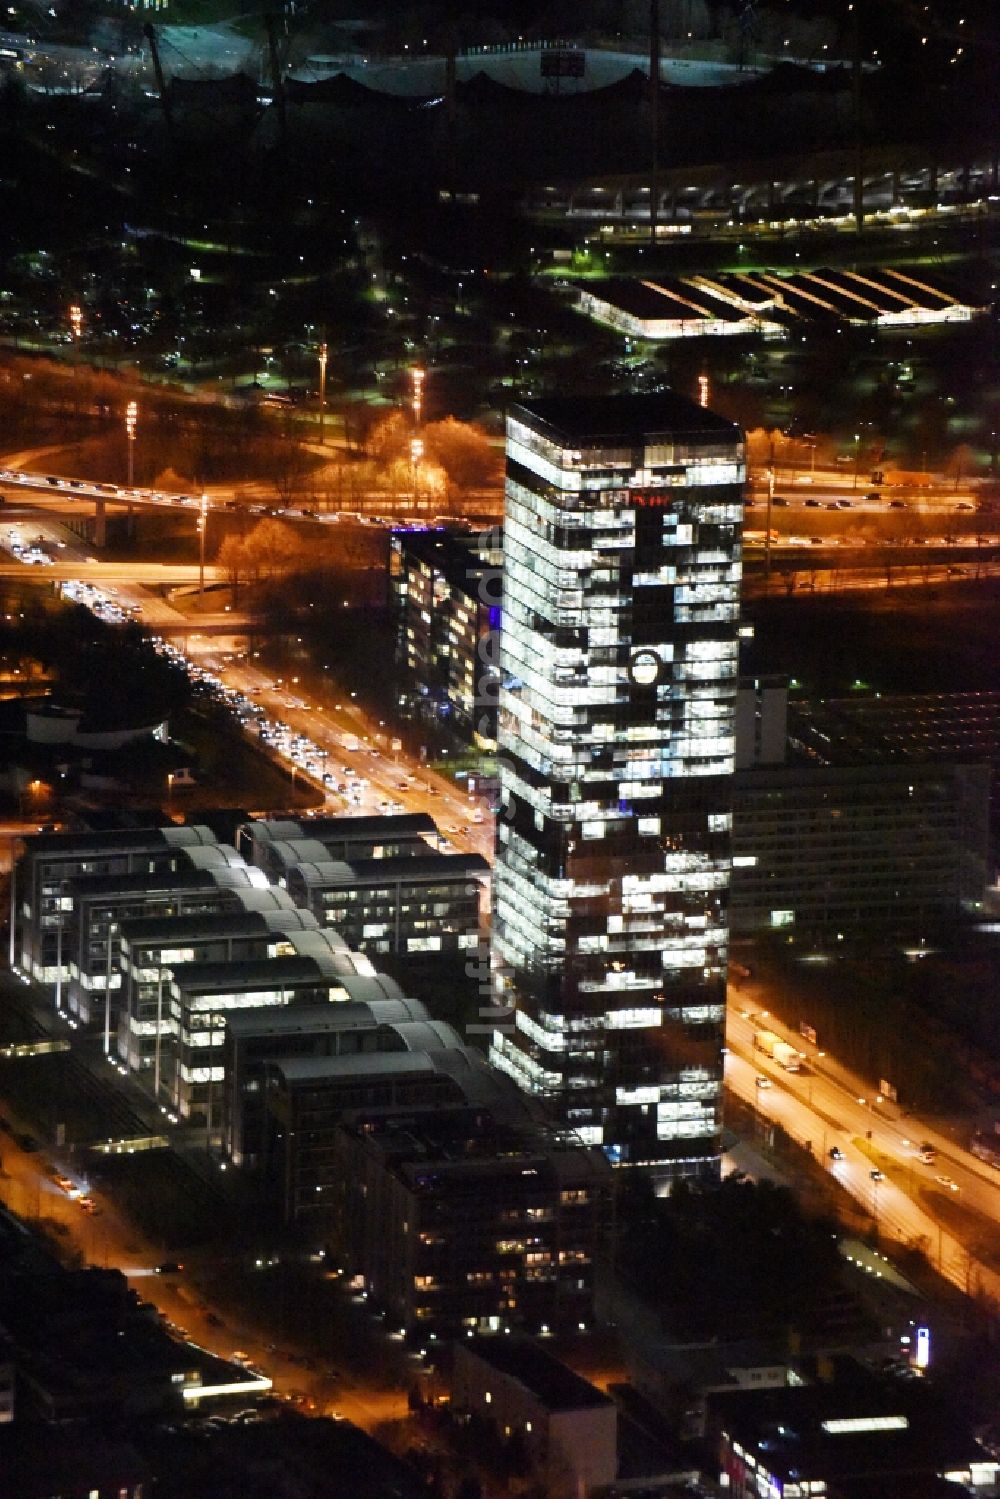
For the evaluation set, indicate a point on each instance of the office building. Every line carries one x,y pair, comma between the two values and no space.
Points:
367,1020
317,968
204,879
568,1427
848,848
150,947
51,860
853,1435
272,843
861,814
446,588
459,1222
616,747
407,905
408,1065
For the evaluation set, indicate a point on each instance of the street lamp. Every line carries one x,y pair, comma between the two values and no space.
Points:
875,1182
767,527
322,390
202,528
416,453
857,458
131,421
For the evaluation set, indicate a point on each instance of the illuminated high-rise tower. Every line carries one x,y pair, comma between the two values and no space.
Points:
622,562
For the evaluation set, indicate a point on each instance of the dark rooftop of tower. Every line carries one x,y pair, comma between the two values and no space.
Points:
622,420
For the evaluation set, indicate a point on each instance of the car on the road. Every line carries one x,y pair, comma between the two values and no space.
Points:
169,1267
779,500
836,1154
897,505
927,1153
813,504
876,1175
762,1081
64,1183
239,1357
88,1204
946,1181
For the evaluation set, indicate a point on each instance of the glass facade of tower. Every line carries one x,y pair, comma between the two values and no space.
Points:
622,562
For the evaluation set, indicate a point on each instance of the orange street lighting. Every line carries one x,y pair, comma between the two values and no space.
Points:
416,453
131,422
202,528
417,398
322,389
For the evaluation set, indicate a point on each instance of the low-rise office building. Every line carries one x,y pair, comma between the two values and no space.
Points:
459,1222
367,1020
273,843
678,1378
202,995
150,948
854,1435
568,1426
88,976
51,860
412,905
411,1063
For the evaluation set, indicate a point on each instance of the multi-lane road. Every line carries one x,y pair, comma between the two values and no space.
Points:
950,1207
28,1187
807,495
66,495
352,748
389,776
